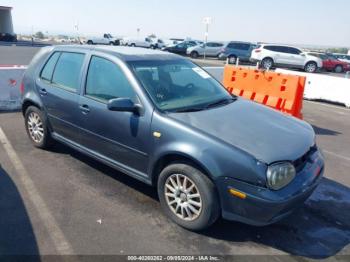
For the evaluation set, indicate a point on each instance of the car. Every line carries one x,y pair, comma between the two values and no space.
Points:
235,49
342,57
107,39
163,120
331,62
181,48
211,49
270,55
7,37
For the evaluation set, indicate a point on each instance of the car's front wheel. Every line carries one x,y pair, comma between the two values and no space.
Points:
188,196
194,54
37,127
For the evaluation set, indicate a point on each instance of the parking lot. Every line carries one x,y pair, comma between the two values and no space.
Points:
60,201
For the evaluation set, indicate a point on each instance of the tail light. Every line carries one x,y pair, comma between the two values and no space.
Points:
21,88
257,50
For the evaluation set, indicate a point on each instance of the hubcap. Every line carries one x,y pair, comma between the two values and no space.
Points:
267,64
232,60
183,197
35,127
310,68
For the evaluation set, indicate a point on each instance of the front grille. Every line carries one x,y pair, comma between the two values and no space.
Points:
301,162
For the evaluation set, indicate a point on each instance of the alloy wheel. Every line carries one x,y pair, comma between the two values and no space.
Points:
183,197
35,127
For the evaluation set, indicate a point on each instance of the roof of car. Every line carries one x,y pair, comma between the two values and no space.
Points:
123,52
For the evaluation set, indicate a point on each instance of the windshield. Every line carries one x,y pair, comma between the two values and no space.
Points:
179,85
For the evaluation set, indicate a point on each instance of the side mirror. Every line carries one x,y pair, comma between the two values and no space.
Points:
124,105
302,54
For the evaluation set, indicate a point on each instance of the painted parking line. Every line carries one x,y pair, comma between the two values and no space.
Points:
336,155
61,244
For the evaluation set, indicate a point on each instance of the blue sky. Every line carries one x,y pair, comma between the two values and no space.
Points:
314,22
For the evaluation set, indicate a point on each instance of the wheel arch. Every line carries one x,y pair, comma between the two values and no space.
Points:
27,103
176,157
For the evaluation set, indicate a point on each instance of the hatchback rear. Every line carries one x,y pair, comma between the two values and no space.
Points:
234,50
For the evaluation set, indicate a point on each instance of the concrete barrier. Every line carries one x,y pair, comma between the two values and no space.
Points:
10,81
324,87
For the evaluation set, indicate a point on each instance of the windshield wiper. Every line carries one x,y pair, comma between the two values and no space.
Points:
190,109
223,101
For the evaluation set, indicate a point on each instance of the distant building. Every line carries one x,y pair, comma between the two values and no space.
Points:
6,25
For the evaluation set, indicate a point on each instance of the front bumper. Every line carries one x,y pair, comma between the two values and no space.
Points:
263,206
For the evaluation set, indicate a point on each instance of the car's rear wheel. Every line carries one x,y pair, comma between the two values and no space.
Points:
338,69
310,67
194,54
267,63
132,45
37,127
188,196
90,42
232,59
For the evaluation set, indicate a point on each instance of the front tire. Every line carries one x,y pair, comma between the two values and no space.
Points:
37,128
194,54
188,196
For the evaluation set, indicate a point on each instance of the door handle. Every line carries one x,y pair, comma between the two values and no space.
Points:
42,91
85,109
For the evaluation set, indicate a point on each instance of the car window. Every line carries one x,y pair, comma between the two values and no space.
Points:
106,80
210,44
47,71
67,70
294,51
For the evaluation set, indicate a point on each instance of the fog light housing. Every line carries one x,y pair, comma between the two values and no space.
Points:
280,175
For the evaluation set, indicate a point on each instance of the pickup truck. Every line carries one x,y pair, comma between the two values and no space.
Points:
107,39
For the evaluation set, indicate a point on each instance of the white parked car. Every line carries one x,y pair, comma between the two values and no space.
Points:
140,42
285,56
211,49
343,57
107,39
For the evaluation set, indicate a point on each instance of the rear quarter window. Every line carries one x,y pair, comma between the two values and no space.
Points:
67,71
47,71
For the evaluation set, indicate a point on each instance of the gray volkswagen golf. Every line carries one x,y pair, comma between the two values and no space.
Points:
163,120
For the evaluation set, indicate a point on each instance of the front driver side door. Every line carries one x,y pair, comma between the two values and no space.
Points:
119,137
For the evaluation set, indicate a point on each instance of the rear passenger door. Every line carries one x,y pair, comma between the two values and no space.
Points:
59,87
120,137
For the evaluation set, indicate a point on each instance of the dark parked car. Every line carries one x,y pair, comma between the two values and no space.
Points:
6,37
165,121
233,50
181,48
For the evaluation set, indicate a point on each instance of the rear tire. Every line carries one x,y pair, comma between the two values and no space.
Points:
194,209
133,45
232,59
90,42
310,67
37,128
338,69
267,63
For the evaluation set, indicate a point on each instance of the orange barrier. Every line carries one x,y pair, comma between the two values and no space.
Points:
279,91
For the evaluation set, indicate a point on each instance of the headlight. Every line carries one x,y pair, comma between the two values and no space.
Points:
279,175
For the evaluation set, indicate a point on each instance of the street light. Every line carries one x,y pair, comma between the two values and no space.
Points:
207,21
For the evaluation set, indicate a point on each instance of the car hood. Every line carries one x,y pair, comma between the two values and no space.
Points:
264,133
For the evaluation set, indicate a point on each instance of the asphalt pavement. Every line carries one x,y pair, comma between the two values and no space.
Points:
62,202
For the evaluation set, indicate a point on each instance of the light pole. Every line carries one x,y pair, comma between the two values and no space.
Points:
207,21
